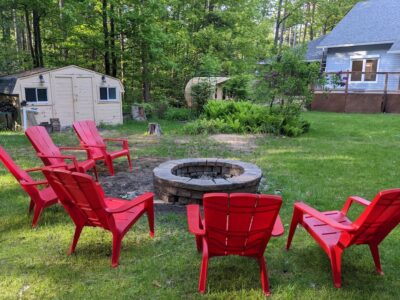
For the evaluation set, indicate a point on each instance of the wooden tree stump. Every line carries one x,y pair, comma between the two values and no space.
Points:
154,129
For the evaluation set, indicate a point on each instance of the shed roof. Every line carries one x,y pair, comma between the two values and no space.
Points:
7,82
369,22
313,52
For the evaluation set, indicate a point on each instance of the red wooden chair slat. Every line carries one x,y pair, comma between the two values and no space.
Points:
86,204
51,155
40,199
90,138
334,231
235,224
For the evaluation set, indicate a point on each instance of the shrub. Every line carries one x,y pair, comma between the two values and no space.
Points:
247,117
179,114
201,92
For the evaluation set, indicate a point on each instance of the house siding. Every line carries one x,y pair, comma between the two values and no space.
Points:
339,59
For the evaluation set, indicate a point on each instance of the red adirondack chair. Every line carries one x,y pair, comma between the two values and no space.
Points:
51,155
238,224
85,202
334,232
40,199
90,138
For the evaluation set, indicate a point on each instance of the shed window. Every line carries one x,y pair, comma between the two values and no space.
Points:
108,93
36,94
364,69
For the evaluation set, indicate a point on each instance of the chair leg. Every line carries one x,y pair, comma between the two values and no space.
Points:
129,161
110,165
203,274
31,206
150,218
336,264
375,254
116,249
95,172
297,215
36,215
78,230
264,275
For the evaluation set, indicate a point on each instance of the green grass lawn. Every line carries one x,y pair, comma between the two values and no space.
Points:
342,155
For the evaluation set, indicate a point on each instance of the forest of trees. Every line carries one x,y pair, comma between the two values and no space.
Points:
155,46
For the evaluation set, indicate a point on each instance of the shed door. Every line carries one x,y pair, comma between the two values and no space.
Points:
63,100
83,98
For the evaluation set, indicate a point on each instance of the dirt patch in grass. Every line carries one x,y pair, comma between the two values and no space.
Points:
128,184
237,142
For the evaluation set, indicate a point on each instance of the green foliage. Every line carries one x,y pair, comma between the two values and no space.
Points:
247,117
201,92
179,114
288,79
239,87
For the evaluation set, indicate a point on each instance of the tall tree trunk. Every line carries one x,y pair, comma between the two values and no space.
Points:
112,43
29,32
278,23
37,38
106,39
312,21
145,73
64,50
306,21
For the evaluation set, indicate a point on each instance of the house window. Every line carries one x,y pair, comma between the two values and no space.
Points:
364,69
108,93
36,94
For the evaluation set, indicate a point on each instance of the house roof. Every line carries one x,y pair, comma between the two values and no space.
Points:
395,48
313,52
369,22
7,82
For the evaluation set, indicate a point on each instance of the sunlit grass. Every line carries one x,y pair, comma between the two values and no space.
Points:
342,155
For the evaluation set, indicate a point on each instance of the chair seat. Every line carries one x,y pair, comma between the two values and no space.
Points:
326,235
124,220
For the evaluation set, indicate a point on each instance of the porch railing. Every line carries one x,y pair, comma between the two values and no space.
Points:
360,82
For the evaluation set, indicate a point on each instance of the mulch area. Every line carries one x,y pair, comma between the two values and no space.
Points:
128,184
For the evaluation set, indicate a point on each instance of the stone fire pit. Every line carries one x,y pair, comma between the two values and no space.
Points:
186,180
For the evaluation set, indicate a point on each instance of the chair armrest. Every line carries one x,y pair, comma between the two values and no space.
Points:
30,183
124,141
350,201
74,161
94,146
321,217
33,169
194,219
147,197
77,149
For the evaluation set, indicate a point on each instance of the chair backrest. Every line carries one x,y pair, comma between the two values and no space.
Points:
43,144
377,220
18,173
14,169
89,135
81,196
239,223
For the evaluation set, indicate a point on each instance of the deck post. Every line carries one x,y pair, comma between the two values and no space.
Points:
385,96
346,90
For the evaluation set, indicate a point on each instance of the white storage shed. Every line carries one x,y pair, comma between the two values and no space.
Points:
69,93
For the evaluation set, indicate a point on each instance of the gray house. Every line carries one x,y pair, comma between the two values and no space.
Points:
361,59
